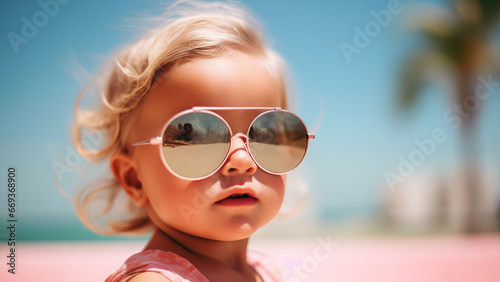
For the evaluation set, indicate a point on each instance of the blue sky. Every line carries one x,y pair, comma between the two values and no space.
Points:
360,137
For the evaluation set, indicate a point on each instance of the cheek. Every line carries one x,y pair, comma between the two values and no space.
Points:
275,191
280,186
161,187
172,201
151,168
167,198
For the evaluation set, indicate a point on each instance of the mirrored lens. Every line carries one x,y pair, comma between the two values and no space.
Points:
278,141
195,144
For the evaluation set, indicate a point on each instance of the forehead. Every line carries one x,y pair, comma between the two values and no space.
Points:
232,80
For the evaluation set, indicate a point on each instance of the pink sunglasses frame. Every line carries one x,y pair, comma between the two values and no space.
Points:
209,110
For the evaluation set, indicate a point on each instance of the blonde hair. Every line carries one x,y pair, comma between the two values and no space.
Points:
187,31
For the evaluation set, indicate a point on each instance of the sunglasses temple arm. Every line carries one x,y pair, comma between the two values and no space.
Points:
152,141
311,136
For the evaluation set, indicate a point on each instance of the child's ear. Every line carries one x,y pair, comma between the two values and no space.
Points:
125,172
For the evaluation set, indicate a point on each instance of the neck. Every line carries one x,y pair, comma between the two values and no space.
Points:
231,254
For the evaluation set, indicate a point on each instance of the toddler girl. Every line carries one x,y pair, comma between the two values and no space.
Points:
200,142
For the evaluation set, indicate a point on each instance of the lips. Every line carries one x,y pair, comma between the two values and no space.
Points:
238,199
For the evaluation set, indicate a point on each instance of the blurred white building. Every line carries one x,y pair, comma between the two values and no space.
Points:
438,201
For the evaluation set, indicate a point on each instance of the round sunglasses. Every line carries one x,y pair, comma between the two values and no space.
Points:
195,143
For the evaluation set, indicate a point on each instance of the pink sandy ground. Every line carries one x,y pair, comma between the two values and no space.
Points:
435,259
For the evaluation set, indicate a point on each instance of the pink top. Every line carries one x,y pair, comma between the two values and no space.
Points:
179,269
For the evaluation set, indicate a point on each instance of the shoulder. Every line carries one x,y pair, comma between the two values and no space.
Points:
156,266
147,277
268,268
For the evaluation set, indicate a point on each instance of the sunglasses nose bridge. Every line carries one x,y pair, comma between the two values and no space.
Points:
244,138
239,159
241,135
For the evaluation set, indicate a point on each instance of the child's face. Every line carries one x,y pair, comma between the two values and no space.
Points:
194,207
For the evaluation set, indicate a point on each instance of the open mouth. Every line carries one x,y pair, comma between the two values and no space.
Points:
234,196
237,200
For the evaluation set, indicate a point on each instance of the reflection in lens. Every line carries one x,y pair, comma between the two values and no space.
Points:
278,141
195,144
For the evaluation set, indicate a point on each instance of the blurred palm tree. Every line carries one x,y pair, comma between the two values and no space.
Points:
460,47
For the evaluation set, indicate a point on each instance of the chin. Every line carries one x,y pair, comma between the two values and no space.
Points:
232,236
234,233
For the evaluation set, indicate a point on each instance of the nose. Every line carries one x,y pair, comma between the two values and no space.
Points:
239,160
